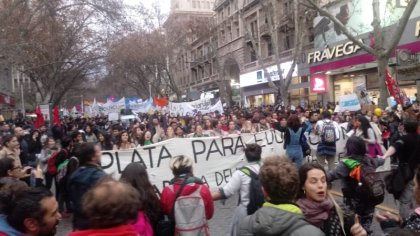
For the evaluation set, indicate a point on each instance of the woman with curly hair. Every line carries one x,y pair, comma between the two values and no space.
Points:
124,142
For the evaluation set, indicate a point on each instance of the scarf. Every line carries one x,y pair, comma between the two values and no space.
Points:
315,212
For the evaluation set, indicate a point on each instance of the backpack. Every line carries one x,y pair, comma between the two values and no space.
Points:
51,167
256,196
62,168
370,187
328,133
190,214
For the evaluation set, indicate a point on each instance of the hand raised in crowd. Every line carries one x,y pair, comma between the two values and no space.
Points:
387,216
357,229
25,172
38,173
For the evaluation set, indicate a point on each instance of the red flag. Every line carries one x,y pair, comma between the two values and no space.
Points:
39,118
393,89
161,102
56,116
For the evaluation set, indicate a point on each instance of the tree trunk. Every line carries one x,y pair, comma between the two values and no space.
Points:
383,91
225,92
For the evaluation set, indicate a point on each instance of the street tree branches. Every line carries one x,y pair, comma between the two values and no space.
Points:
295,22
57,44
384,39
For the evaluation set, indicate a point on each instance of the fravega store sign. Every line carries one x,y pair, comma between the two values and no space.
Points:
337,51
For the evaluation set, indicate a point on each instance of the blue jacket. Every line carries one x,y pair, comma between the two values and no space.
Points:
84,178
5,228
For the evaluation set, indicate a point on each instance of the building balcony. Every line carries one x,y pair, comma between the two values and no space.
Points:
264,30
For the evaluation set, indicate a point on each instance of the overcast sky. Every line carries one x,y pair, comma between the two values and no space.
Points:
165,4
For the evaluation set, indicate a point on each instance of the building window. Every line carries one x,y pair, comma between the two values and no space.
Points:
254,29
252,52
194,4
289,40
269,47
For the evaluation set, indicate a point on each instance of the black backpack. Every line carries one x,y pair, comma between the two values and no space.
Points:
371,188
256,195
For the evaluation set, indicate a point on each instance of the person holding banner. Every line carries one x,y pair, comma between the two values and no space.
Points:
232,129
123,142
199,132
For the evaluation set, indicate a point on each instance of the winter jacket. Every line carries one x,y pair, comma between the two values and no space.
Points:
167,198
6,229
122,230
349,185
283,219
142,225
84,178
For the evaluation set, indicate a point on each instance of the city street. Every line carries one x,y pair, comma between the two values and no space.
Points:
220,223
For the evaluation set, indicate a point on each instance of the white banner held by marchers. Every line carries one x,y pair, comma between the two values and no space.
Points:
215,158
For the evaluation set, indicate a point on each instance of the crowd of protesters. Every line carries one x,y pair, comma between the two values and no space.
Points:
66,159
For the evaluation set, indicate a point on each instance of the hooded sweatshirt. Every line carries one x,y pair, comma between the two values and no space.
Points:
84,178
6,229
283,219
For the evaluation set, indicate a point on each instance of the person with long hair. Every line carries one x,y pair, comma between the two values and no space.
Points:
135,174
353,199
90,136
293,140
319,207
179,132
248,128
136,135
232,130
199,132
49,148
104,141
146,139
363,130
34,147
124,142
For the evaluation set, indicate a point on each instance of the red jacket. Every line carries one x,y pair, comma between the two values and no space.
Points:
168,197
122,230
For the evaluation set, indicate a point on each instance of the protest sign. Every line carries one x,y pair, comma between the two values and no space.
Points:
215,158
113,116
349,102
191,108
